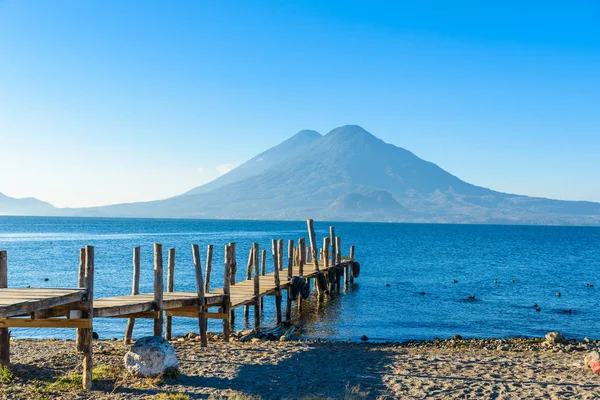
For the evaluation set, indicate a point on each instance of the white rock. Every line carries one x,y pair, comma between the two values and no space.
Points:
555,338
150,356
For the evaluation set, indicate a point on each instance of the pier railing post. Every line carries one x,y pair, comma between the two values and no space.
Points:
263,272
290,266
280,253
257,308
80,284
170,288
229,257
248,276
274,250
200,291
351,255
333,252
313,246
135,289
86,334
301,261
233,277
158,289
4,335
338,258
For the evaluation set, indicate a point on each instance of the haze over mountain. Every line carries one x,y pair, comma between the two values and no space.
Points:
349,174
24,206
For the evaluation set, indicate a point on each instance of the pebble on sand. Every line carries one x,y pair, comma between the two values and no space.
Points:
364,337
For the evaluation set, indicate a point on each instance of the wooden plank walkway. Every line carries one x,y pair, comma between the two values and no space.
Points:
76,307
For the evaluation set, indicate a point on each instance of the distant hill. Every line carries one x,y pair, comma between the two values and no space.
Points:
24,206
349,174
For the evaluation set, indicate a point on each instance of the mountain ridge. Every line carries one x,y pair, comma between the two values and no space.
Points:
350,174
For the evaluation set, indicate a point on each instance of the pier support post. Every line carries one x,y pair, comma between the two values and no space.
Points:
158,289
248,276
86,334
233,274
333,252
4,335
200,291
338,260
229,257
135,289
209,258
80,284
313,247
280,254
170,288
274,250
257,308
263,272
351,259
301,260
288,308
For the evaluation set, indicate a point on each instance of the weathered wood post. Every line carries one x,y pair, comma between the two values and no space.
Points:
200,291
4,335
313,246
274,250
209,257
301,261
233,277
263,272
229,257
170,288
280,253
80,284
351,259
257,307
338,258
158,289
288,308
135,289
333,250
86,335
326,258
248,276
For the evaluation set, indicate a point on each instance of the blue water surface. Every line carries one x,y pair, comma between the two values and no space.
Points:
507,268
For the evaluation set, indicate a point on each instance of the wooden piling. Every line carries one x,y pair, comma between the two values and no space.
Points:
288,308
135,289
257,308
338,260
158,288
274,250
263,272
227,281
80,284
170,288
302,259
4,334
248,276
280,253
87,333
313,248
333,250
200,292
233,278
209,257
351,259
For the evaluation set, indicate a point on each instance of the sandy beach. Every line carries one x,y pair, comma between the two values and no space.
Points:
490,368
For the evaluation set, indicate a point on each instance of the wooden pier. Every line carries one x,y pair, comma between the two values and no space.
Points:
76,308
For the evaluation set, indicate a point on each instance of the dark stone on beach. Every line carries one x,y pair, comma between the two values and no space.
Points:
95,336
458,337
364,338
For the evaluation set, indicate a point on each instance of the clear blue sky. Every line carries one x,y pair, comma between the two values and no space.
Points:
115,101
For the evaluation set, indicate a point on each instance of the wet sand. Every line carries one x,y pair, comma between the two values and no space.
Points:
494,369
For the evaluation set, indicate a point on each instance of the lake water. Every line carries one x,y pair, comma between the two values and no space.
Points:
529,264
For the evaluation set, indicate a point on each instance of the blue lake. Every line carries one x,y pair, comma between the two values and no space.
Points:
529,264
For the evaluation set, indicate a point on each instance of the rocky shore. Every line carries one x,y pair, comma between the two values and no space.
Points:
263,369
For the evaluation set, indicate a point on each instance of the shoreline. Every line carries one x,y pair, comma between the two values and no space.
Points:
316,369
